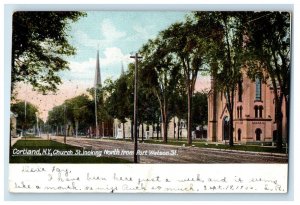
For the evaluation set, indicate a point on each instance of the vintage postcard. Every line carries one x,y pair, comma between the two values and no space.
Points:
150,102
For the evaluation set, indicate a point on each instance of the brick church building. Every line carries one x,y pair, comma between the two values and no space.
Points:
254,114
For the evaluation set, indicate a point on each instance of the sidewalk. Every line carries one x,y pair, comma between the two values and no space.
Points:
14,140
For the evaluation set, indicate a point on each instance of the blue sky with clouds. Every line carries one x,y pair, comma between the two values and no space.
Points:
117,34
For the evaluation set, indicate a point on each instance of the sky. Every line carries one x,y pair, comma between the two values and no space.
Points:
117,35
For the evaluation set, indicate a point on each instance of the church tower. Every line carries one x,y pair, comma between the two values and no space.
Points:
103,127
122,69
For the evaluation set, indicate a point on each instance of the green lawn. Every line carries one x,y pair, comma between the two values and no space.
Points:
204,144
252,148
47,144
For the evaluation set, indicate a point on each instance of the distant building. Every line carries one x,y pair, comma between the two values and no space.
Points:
254,114
177,129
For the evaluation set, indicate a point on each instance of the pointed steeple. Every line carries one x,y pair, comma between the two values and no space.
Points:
122,69
97,71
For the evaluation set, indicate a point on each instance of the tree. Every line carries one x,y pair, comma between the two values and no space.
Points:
199,109
26,114
118,103
160,75
77,110
269,41
226,54
39,45
56,117
80,112
187,44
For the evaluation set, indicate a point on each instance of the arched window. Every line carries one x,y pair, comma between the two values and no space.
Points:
226,128
240,91
260,108
239,134
258,88
257,134
241,112
256,111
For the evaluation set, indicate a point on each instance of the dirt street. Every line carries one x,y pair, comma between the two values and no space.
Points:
158,153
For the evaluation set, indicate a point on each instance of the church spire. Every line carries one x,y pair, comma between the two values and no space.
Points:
122,68
97,71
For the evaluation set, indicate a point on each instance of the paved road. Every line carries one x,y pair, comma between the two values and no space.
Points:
183,154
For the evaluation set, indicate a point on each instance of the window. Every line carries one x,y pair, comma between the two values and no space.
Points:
258,89
256,111
240,91
260,108
239,112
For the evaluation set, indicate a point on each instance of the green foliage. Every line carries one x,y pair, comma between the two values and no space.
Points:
186,42
39,45
118,103
78,110
268,45
199,109
55,116
226,53
160,75
26,114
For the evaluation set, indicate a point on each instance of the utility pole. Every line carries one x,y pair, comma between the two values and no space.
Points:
96,117
136,57
65,137
97,84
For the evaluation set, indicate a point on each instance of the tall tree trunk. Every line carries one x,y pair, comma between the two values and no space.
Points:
189,119
231,128
279,123
164,124
152,130
76,128
131,130
123,130
68,130
174,132
278,114
157,129
230,110
103,133
142,131
287,115
178,128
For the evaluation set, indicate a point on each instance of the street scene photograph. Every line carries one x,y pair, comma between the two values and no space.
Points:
150,87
